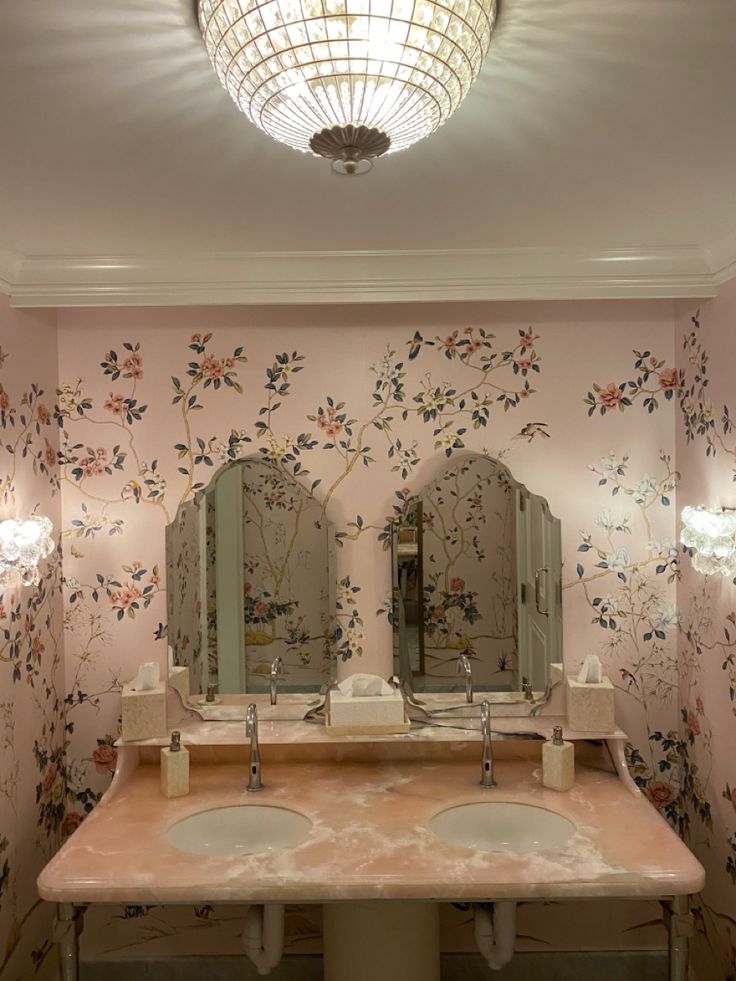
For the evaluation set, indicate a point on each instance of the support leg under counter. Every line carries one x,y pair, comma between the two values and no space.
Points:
67,927
680,927
390,941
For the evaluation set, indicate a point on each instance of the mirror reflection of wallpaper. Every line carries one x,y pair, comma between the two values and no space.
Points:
469,563
183,584
286,579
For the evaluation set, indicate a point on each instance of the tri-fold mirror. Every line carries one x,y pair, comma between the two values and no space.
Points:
477,584
250,579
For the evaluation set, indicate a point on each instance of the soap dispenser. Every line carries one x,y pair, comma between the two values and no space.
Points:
175,768
558,762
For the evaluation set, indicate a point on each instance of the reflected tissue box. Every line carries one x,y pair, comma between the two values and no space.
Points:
590,705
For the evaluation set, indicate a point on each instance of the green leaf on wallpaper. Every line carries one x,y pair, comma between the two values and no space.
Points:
580,570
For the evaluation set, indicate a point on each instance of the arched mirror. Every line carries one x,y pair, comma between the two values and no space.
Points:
477,584
250,579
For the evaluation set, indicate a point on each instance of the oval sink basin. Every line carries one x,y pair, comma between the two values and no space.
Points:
239,830
496,826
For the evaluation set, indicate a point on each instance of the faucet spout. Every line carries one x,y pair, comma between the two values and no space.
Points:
276,665
463,664
486,775
251,731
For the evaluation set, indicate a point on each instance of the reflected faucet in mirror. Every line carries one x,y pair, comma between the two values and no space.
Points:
276,665
463,664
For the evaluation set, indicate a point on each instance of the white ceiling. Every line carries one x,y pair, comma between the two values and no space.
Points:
595,125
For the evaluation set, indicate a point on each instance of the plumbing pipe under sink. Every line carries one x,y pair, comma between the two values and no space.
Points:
495,932
263,936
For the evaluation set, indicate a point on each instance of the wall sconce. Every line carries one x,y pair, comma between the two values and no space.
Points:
22,546
711,533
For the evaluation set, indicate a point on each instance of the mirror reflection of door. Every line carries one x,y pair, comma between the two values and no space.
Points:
410,592
538,549
477,557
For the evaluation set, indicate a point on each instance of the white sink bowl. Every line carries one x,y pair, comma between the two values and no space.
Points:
239,830
496,826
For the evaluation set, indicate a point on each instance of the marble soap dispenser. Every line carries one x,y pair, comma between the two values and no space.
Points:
558,762
175,768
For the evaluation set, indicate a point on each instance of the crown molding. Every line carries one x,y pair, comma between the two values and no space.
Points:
364,277
721,255
10,262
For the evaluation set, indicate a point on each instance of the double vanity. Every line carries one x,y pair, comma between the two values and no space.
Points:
378,829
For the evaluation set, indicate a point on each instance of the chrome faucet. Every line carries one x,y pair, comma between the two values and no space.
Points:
463,664
251,730
486,776
276,665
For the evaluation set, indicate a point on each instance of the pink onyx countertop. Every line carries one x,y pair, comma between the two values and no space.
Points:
370,840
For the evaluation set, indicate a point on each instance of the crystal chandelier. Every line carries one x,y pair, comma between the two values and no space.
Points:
712,534
347,79
22,546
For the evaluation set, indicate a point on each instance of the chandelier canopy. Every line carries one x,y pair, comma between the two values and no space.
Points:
347,79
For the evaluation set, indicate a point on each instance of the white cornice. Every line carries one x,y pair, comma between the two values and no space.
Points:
721,256
10,263
360,277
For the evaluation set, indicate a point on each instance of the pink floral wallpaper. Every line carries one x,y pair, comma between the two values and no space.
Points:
702,745
363,406
33,774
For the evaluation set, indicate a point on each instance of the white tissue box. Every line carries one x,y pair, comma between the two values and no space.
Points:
590,706
144,713
369,713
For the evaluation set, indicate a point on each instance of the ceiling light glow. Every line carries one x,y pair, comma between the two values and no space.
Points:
347,79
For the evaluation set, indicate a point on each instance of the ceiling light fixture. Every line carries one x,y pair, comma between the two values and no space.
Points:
349,80
711,533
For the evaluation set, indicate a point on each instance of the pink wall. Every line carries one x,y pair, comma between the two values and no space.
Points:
705,740
33,785
609,477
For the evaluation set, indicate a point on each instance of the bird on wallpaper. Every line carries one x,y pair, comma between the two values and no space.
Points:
532,429
132,490
415,344
628,677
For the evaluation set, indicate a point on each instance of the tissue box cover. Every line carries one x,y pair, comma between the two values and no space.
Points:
144,713
179,679
590,706
371,710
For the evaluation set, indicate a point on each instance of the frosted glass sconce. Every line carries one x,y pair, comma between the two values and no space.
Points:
711,532
22,546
